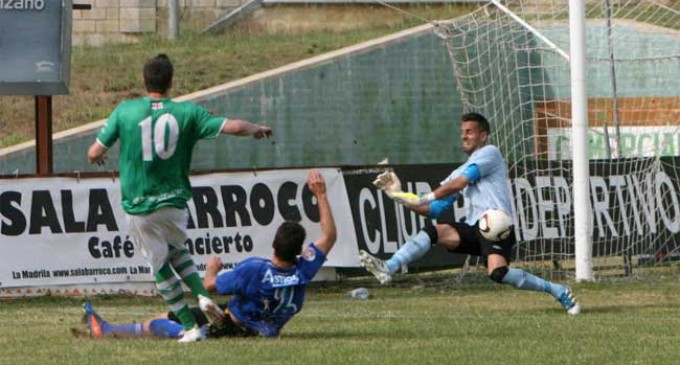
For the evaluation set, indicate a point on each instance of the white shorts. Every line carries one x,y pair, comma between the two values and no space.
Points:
154,233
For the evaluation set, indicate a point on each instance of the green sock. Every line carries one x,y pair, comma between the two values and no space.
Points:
186,317
184,265
195,283
170,288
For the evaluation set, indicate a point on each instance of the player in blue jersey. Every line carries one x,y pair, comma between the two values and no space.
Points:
483,181
266,293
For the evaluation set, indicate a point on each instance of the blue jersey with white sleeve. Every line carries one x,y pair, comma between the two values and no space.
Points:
490,188
266,296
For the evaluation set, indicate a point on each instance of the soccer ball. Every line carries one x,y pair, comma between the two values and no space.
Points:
495,225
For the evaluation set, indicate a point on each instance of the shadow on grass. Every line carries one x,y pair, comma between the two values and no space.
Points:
359,334
627,308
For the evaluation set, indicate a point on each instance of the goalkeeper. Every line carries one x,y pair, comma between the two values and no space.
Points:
482,180
266,294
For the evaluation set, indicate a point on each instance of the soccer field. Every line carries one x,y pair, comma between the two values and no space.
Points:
426,320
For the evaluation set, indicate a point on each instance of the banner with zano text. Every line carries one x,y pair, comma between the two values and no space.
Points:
65,231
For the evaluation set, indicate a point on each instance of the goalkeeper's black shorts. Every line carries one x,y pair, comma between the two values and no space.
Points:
473,243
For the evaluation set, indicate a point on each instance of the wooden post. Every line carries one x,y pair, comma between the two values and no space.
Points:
43,135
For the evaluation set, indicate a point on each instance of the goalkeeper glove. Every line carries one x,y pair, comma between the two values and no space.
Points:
412,200
388,182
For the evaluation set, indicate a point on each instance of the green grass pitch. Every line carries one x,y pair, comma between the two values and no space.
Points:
417,320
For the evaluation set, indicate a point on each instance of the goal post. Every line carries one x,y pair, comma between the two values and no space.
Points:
579,135
584,104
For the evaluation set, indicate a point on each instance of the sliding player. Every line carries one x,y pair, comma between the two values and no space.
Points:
266,293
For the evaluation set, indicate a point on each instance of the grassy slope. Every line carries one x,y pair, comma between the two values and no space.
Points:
103,76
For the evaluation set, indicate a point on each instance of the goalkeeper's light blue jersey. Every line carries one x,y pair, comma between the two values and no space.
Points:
491,190
267,296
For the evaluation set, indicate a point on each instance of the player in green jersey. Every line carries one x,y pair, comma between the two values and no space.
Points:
157,136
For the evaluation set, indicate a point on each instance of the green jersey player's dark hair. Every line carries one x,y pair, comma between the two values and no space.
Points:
158,73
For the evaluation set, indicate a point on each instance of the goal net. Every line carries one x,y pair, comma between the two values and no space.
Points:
511,61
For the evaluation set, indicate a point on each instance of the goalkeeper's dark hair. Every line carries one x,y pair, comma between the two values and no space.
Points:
288,241
158,74
482,123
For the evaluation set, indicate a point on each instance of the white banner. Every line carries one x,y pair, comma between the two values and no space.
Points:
63,231
635,141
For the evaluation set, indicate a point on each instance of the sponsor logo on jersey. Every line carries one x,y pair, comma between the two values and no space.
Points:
157,105
278,281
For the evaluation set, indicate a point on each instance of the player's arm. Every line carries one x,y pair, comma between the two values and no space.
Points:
420,203
439,206
317,185
470,175
96,154
436,207
212,268
106,137
420,209
239,127
228,282
452,187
